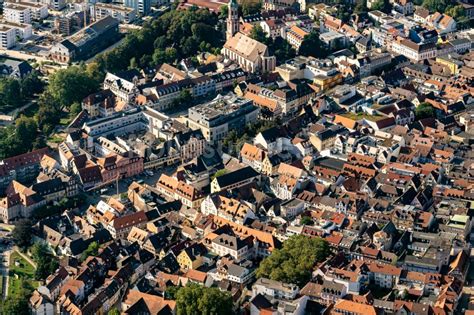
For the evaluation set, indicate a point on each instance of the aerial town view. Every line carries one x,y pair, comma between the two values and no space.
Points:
243,157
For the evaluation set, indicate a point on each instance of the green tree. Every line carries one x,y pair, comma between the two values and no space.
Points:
171,292
313,46
258,34
458,13
49,113
113,311
282,50
182,30
295,261
360,7
17,304
223,12
10,92
424,110
382,5
195,299
250,7
92,250
306,220
171,54
31,85
435,5
46,263
75,109
133,63
71,85
26,130
21,234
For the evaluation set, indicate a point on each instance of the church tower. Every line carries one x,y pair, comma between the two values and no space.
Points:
232,19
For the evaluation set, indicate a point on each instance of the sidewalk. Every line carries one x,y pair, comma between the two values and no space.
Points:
6,276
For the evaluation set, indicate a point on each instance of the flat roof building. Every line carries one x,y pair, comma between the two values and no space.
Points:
221,115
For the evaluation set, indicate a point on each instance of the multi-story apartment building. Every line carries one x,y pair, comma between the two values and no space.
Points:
143,7
121,227
12,12
295,36
56,5
38,11
122,13
22,31
7,37
20,202
237,248
120,123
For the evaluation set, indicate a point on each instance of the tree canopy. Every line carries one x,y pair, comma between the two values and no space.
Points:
71,85
382,5
20,138
92,250
278,46
313,46
17,304
436,5
360,7
250,7
295,261
175,35
424,110
15,92
46,263
21,234
66,88
196,299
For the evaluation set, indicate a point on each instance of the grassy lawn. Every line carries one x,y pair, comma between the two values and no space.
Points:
65,121
56,139
24,270
358,116
1,285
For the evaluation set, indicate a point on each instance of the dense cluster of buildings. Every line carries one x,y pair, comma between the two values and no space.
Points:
370,149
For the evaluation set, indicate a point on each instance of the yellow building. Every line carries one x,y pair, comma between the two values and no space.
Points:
452,64
191,257
326,82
